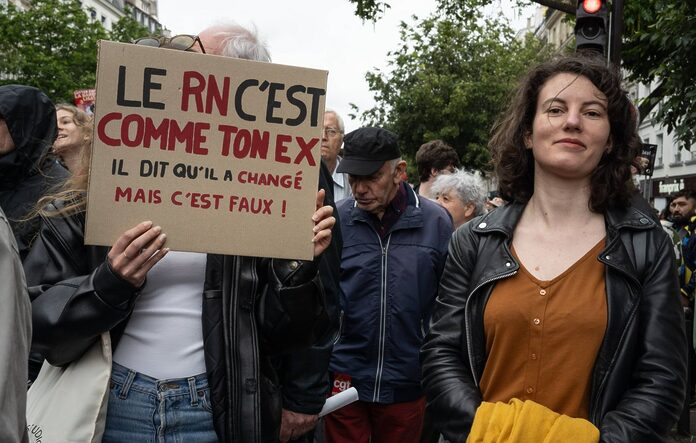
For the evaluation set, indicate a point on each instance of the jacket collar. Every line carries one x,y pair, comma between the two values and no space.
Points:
338,177
411,218
505,218
635,217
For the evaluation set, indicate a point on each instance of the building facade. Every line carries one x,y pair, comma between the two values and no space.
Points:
553,28
675,163
145,13
108,12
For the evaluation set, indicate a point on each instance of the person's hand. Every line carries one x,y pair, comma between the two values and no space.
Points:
293,425
685,301
136,251
323,223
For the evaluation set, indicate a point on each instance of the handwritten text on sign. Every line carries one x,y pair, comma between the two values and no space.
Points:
222,153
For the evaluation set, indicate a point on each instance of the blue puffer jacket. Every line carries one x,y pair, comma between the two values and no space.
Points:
388,292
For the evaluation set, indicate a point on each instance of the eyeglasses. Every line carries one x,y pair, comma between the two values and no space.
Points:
182,42
331,132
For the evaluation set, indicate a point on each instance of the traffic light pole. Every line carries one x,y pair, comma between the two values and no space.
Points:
616,32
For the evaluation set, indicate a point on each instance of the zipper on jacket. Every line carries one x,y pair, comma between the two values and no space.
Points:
229,335
596,395
467,326
255,347
382,317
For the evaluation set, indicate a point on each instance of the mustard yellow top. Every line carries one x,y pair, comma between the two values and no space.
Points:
542,337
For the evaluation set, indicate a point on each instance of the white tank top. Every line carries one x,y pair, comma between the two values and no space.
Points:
164,336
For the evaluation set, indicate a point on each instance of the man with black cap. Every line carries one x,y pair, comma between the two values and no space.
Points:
394,249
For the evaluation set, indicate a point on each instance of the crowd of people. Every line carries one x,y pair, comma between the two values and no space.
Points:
549,310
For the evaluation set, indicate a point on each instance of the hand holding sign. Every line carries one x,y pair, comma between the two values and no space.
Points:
323,223
223,152
136,251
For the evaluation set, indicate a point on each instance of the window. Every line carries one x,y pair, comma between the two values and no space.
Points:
93,13
677,154
658,151
103,20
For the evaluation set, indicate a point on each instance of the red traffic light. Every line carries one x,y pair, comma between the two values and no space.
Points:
591,6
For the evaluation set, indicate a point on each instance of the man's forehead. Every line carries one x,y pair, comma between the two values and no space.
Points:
330,117
683,200
208,43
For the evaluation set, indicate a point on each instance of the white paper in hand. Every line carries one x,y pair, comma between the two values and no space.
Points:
339,400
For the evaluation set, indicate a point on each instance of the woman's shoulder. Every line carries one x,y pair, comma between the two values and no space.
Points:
65,216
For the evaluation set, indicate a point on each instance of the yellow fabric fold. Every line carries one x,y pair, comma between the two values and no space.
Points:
528,422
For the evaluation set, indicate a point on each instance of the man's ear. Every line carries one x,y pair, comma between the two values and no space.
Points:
399,171
434,172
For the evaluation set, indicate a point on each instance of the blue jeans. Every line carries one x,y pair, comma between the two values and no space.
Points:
145,410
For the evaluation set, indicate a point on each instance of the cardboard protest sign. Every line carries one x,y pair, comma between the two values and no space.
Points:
84,99
222,153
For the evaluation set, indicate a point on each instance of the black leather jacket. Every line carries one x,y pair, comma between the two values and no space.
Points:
304,377
253,308
639,379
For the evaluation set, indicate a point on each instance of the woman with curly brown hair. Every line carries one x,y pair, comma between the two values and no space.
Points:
564,302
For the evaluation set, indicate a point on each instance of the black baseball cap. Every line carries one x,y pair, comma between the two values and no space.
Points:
366,149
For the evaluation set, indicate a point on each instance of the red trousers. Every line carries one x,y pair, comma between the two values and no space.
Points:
363,422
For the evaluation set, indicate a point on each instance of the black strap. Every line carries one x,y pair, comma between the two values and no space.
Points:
640,250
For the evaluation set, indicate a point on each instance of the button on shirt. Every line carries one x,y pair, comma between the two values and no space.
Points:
542,337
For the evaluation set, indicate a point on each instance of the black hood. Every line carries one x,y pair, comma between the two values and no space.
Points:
31,119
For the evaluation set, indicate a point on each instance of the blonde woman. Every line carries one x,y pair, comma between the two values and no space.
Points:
74,136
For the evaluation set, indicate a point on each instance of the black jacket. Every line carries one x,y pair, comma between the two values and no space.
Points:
253,308
304,376
638,383
27,173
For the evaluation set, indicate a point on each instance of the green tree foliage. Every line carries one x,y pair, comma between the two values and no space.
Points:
53,46
449,80
369,9
374,9
660,47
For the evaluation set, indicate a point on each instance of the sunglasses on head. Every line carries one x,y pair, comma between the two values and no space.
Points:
182,42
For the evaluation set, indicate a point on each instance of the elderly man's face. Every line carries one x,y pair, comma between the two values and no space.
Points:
331,139
373,193
6,143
